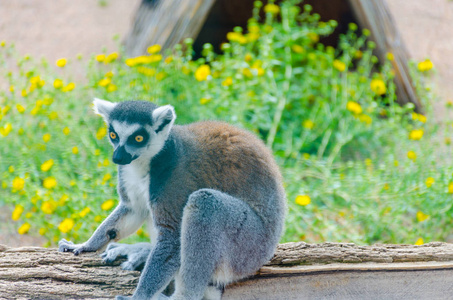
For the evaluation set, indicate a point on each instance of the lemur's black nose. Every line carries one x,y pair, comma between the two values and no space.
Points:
121,156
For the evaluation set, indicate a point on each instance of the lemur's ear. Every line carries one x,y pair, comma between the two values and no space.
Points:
163,118
103,108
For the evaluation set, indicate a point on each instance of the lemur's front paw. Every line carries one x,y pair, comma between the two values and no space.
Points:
68,246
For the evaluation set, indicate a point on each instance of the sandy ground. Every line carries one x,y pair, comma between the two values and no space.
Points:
61,28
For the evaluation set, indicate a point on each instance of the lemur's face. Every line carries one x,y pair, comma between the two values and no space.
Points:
129,141
137,129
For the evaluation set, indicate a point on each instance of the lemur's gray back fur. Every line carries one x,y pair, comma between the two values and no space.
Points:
215,200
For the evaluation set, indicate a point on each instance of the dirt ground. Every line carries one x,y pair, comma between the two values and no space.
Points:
55,28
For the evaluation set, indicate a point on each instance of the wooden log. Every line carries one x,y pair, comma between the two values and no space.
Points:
375,16
166,23
297,271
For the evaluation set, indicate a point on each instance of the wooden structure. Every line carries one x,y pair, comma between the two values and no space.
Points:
297,271
168,23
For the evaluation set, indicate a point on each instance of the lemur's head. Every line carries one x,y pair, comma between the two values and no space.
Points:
136,128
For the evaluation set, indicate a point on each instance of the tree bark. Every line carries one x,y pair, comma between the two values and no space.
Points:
297,271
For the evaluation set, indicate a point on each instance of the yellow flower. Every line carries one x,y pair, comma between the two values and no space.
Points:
53,115
47,165
107,177
271,8
247,73
378,86
412,155
303,200
111,88
308,124
48,207
450,188
66,225
204,101
63,200
61,62
297,49
202,72
97,218
66,131
49,182
84,212
109,74
100,57
425,65
354,107
24,228
386,187
314,37
104,82
227,82
42,231
106,162
365,119
2,44
72,182
422,118
69,87
75,150
20,108
419,242
236,37
154,49
101,133
5,130
11,88
416,134
339,65
46,137
421,216
111,57
429,182
11,169
358,54
390,56
107,205
168,59
17,212
18,183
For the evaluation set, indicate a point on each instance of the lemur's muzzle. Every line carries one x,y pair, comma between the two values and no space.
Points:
121,156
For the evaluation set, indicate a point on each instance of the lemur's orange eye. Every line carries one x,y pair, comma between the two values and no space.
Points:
139,138
112,135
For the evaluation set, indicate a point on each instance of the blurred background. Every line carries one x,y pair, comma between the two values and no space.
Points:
335,194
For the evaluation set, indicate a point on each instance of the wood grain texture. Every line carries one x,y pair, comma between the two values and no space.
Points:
166,23
375,16
297,271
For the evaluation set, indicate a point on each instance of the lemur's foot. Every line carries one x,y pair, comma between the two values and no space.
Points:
136,254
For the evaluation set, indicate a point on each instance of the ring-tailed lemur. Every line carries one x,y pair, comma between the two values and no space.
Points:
212,195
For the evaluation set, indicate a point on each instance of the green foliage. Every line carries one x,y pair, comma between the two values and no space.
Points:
328,114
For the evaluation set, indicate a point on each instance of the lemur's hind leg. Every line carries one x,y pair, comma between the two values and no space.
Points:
136,254
220,242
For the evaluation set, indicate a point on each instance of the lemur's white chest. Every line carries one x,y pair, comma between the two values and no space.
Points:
136,184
